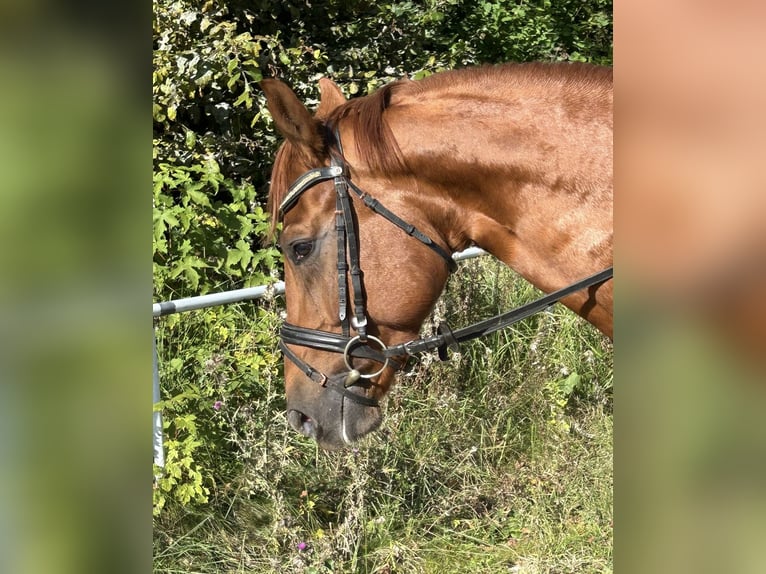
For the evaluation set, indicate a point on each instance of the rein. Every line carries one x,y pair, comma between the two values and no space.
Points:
358,346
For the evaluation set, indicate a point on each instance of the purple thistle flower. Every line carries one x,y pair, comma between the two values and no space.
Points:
302,546
217,405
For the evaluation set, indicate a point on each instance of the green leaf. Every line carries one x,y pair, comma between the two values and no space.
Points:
255,75
191,139
170,219
233,80
233,256
192,276
244,98
568,385
199,198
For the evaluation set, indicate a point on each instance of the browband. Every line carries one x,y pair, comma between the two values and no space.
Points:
306,181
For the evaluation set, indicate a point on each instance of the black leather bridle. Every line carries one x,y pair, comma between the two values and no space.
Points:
349,272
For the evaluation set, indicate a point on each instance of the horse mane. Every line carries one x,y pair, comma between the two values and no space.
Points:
375,142
473,81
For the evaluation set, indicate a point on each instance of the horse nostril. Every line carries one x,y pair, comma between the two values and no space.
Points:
303,424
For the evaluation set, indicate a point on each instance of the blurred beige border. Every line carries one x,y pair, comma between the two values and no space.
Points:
690,333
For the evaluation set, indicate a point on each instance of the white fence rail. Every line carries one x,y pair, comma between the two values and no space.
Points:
212,300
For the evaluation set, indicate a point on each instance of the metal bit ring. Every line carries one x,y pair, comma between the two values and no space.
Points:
347,357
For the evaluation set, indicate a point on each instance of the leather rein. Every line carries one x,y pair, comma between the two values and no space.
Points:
349,272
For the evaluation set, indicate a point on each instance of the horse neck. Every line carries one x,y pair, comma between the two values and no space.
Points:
527,178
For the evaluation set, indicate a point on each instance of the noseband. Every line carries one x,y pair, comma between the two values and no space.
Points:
362,345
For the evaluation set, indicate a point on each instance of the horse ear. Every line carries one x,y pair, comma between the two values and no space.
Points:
291,117
331,98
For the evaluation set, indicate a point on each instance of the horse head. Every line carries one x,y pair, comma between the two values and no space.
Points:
351,274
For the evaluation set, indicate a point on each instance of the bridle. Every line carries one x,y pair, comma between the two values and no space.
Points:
349,272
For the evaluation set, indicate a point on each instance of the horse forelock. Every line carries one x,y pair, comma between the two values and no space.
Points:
287,154
374,141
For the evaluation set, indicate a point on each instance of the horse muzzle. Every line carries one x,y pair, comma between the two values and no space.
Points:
334,419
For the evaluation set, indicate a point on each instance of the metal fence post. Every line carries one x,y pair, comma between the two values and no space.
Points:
159,451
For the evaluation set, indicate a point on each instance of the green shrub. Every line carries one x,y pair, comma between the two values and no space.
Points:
206,233
219,372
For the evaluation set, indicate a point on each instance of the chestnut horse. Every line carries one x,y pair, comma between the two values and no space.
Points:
515,159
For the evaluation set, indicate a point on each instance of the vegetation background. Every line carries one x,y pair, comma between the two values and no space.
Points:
499,460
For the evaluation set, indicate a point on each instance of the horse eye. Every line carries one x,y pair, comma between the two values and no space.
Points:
302,249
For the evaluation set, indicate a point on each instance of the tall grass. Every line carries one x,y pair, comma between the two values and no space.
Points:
499,460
